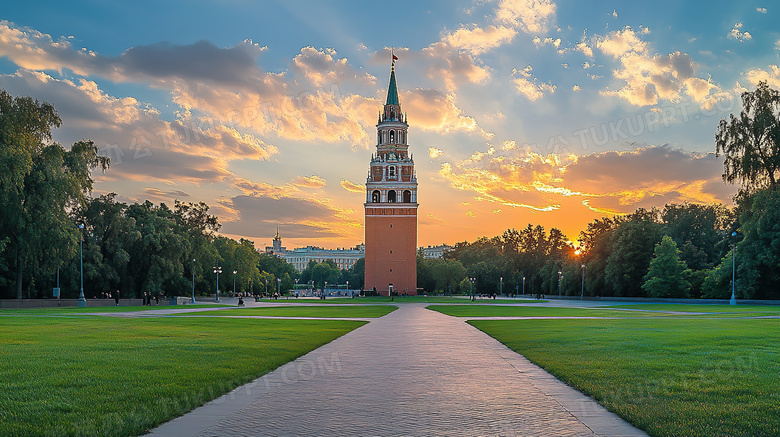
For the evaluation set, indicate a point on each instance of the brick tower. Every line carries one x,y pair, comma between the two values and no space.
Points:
391,204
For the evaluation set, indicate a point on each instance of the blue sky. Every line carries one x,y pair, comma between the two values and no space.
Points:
520,111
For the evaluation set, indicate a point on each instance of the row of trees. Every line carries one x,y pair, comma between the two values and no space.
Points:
683,250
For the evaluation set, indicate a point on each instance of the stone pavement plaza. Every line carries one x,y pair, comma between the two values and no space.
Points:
412,372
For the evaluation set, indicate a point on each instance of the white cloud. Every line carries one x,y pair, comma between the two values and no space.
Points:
478,40
511,17
649,78
529,86
621,42
737,33
530,16
321,68
761,10
771,76
582,45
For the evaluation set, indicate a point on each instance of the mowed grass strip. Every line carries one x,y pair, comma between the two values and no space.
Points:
722,310
99,309
668,376
335,311
106,376
526,311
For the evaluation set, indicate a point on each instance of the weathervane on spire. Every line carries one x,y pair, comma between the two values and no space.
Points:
395,58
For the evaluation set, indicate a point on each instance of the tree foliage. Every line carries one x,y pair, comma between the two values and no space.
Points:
750,142
666,276
39,182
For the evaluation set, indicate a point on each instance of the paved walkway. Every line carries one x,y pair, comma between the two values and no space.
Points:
412,372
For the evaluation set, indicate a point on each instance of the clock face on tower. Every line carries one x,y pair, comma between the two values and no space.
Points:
391,205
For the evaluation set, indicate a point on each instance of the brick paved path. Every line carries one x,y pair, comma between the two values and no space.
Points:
412,372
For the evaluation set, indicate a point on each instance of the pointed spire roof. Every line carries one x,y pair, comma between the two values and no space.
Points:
392,89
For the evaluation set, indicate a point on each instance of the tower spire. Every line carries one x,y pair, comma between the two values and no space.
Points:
392,89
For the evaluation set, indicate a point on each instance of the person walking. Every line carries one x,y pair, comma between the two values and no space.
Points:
116,297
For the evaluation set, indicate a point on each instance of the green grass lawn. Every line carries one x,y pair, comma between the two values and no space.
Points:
668,376
740,310
96,309
526,311
91,375
305,311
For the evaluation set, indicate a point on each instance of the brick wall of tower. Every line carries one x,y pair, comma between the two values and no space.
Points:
391,249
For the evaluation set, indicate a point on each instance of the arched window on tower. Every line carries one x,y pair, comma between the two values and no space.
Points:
375,196
407,196
379,137
391,196
392,136
391,172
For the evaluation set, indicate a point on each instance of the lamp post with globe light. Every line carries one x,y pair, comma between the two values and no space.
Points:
733,300
82,300
217,270
193,280
560,278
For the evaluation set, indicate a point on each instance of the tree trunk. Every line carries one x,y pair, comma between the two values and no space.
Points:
19,271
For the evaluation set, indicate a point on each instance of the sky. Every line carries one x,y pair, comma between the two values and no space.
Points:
552,113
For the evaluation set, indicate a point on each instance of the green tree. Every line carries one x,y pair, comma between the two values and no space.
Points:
356,275
425,278
698,231
666,276
110,235
758,254
632,249
159,254
750,143
39,182
717,283
448,274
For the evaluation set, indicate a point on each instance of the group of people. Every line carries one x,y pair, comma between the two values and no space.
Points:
148,299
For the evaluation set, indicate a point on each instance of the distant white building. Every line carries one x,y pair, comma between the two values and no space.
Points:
344,258
301,256
435,251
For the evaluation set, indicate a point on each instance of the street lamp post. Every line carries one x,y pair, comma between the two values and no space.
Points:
278,287
82,299
560,276
733,268
471,284
582,293
193,280
348,288
234,282
501,286
217,270
266,287
324,287
296,287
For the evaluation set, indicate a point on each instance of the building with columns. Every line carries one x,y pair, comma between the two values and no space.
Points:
391,204
345,258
